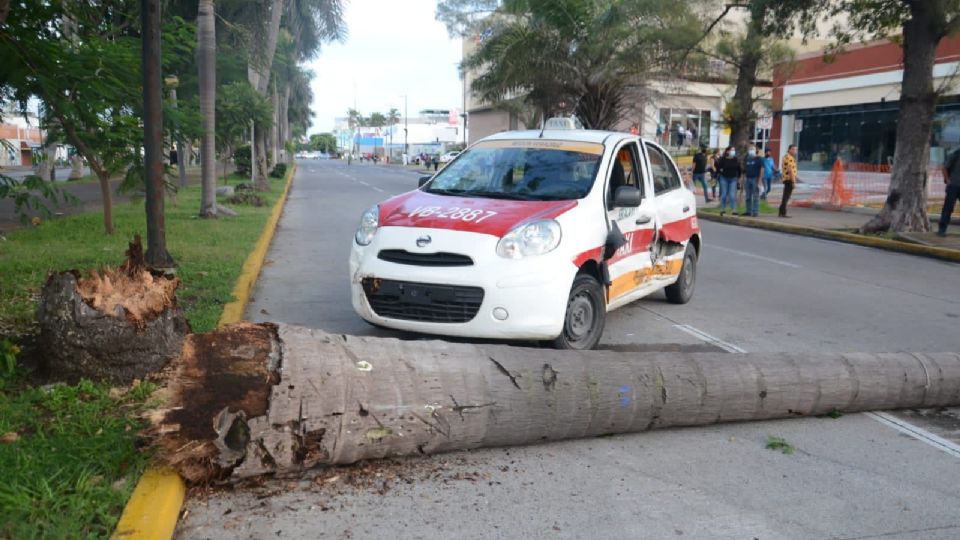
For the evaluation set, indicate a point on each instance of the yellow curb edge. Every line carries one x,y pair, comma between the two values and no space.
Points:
946,254
154,506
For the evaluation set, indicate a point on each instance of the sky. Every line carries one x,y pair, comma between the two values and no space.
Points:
393,48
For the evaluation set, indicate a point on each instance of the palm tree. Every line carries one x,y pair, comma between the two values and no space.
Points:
586,55
393,118
207,64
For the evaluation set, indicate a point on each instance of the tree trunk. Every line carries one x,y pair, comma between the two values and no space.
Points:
4,10
741,107
275,129
905,209
181,159
207,62
257,399
116,325
285,123
106,197
260,167
157,255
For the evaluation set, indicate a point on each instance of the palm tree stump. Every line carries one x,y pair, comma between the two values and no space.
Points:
257,399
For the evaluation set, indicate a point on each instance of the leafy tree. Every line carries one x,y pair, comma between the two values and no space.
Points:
580,56
921,26
749,54
238,104
82,60
323,142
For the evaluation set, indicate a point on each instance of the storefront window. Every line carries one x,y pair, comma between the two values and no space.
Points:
868,137
695,124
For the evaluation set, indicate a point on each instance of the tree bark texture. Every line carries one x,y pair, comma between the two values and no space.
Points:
275,129
157,255
260,165
256,399
741,107
285,123
905,209
207,62
79,341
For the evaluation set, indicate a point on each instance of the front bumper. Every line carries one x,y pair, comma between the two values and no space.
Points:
532,291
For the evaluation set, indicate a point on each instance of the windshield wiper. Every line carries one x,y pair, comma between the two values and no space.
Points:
503,195
439,191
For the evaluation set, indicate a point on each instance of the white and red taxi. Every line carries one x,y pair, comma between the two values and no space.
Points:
529,235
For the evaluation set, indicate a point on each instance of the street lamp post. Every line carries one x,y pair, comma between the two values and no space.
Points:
406,148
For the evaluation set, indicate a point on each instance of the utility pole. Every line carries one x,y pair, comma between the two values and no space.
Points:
253,151
157,255
406,148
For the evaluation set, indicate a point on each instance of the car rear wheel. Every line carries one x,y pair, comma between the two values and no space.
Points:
585,316
682,291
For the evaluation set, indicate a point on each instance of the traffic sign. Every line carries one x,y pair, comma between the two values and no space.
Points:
797,125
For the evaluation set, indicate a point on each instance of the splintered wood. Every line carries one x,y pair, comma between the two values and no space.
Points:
129,291
251,399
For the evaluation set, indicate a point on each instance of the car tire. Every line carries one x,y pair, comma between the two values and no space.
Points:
585,315
682,290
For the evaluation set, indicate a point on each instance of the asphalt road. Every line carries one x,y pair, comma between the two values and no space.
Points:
858,476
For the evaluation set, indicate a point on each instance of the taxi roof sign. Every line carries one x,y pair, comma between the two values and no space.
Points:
560,123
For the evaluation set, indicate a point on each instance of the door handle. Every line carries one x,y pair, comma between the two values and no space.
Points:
686,208
643,220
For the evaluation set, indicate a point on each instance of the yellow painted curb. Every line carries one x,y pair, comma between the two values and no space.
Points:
946,254
233,311
154,507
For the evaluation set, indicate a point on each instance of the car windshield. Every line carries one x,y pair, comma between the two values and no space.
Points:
522,170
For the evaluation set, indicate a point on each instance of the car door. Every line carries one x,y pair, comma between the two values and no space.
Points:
676,213
629,266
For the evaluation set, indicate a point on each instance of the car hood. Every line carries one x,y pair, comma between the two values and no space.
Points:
489,216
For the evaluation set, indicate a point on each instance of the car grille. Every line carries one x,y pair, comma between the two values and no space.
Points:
401,256
422,301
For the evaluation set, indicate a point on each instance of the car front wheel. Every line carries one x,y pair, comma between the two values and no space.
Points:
585,316
682,291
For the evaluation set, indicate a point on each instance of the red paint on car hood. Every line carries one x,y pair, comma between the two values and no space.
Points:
471,214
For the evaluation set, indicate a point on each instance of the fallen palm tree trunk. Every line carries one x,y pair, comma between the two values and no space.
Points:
255,399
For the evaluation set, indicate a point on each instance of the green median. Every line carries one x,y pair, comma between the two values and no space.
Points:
68,453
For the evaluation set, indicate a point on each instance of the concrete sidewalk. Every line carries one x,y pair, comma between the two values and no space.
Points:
842,226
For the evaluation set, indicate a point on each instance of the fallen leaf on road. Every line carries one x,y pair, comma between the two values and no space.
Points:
264,312
9,438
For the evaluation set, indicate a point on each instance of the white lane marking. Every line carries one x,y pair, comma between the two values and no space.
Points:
917,432
364,183
887,419
729,347
375,188
753,256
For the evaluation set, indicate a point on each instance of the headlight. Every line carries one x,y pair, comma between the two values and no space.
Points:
535,238
369,224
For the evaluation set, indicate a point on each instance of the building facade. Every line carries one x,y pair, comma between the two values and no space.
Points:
432,131
846,106
21,141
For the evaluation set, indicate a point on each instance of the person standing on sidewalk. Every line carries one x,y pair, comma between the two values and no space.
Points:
714,168
730,172
700,172
752,169
951,177
769,167
789,178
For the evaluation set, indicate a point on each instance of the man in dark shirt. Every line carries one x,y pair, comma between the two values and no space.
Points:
700,172
752,169
730,172
951,177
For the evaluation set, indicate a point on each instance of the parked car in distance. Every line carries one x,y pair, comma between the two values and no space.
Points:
448,157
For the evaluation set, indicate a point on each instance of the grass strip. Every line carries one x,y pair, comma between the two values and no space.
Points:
209,254
68,453
69,459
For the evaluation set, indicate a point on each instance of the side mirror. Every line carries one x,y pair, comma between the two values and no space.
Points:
626,197
423,180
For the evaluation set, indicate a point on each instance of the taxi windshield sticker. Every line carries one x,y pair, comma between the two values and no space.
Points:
568,146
